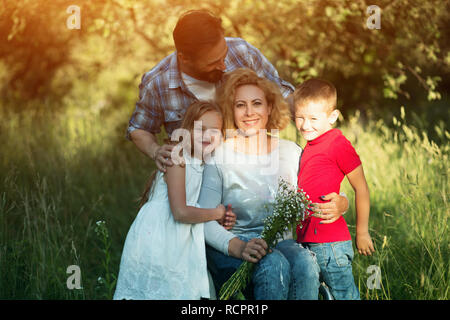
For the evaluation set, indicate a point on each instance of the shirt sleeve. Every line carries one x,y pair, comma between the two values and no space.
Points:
345,154
148,114
210,197
262,66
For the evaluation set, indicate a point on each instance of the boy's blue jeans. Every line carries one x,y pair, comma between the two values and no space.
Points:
289,272
335,262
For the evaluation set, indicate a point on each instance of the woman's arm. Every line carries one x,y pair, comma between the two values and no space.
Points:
333,210
210,196
175,178
362,202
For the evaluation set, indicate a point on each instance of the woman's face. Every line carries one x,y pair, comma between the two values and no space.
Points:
251,111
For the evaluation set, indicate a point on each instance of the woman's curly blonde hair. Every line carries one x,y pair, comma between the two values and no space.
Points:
280,115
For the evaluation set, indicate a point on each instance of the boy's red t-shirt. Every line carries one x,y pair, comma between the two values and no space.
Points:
324,163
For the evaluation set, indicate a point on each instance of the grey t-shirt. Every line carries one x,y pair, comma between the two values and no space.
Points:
249,183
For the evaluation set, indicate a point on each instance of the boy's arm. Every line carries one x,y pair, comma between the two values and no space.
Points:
362,202
175,178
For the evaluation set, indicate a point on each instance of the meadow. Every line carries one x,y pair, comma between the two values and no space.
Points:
69,184
70,181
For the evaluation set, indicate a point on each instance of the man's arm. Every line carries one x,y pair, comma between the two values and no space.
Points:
146,142
145,122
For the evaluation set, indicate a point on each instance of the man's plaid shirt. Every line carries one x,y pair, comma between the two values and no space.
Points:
164,98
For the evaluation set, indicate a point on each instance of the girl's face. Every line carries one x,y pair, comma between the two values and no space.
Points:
251,110
207,133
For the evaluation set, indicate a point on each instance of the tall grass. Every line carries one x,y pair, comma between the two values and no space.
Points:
62,173
408,180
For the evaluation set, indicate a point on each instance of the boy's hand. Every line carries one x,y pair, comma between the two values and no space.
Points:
364,244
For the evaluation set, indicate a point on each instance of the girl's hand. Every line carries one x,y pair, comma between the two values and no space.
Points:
333,210
230,218
220,211
364,244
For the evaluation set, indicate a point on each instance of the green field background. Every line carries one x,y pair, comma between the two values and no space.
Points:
70,180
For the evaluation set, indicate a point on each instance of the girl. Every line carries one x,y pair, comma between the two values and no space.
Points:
164,252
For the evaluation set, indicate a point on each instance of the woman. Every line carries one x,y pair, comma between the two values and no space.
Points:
244,172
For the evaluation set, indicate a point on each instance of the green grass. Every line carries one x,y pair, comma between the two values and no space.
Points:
60,173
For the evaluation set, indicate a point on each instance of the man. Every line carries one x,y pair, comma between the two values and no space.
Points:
192,72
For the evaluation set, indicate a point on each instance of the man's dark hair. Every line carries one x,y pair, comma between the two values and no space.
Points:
196,29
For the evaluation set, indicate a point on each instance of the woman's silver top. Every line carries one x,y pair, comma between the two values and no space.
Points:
249,183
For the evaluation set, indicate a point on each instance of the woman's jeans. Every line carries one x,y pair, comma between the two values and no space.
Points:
288,272
335,262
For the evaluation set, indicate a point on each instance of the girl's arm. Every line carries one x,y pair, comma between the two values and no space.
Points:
175,179
362,202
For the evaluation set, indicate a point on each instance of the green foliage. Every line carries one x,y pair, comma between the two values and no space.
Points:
408,58
67,171
60,172
109,280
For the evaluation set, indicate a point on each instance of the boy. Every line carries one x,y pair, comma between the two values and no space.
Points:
326,159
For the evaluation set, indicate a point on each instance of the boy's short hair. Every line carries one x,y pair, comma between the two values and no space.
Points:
316,90
197,29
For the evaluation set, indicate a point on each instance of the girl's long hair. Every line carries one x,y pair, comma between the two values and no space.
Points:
193,113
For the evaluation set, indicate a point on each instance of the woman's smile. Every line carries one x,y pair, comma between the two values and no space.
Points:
251,122
251,110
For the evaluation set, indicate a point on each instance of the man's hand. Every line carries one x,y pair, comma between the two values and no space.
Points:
333,210
147,143
162,157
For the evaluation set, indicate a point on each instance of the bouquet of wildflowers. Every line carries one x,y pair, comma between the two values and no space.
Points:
289,208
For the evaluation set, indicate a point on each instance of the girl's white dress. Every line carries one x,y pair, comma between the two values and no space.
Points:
164,259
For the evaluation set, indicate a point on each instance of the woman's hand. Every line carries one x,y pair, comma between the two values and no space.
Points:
254,250
333,210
